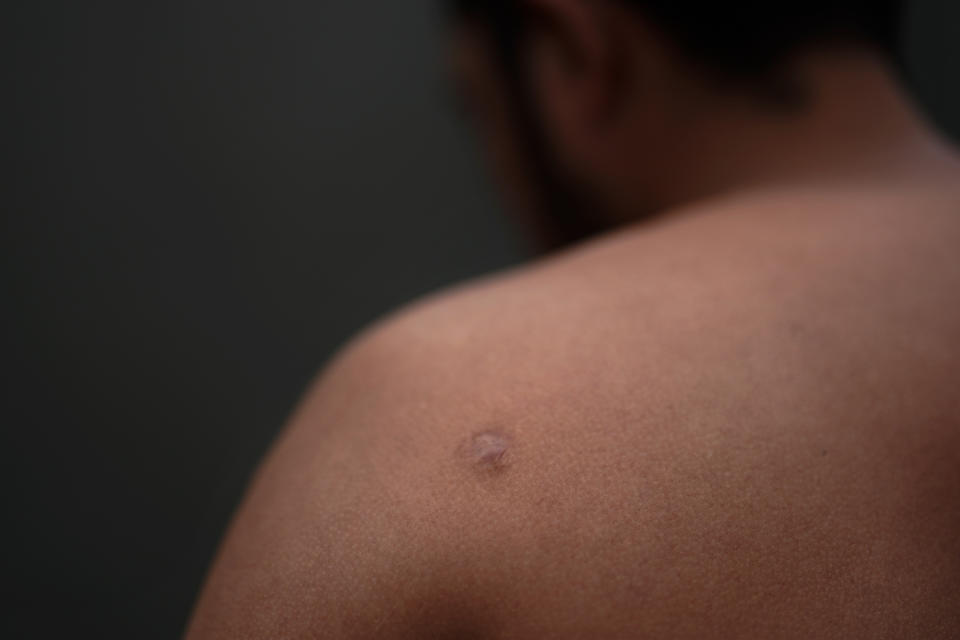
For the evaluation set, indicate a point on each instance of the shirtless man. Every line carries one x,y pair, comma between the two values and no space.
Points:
726,405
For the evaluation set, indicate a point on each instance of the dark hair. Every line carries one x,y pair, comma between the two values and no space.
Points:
742,38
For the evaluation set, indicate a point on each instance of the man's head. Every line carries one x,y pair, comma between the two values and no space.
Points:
582,101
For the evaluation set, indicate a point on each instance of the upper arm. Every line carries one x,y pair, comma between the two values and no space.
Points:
448,460
345,527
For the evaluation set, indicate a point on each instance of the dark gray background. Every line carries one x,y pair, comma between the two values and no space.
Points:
203,200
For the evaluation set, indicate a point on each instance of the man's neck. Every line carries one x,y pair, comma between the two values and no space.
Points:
856,125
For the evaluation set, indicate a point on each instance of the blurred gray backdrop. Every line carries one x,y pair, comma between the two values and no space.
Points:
203,200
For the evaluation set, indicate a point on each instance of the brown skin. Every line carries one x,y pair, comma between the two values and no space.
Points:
738,420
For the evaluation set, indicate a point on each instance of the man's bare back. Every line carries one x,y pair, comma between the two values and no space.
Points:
740,422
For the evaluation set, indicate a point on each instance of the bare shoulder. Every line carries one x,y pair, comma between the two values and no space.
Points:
408,450
366,505
635,435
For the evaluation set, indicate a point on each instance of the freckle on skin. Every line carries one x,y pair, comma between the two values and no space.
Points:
486,449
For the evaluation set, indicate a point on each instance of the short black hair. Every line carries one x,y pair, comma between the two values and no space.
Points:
743,38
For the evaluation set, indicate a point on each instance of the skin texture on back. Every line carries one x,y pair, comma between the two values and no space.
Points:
739,421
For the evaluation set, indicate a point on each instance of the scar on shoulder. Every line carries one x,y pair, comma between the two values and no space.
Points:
486,450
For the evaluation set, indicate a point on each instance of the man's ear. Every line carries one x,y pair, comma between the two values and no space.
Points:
576,61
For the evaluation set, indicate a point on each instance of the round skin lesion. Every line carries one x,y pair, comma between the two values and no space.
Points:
486,451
